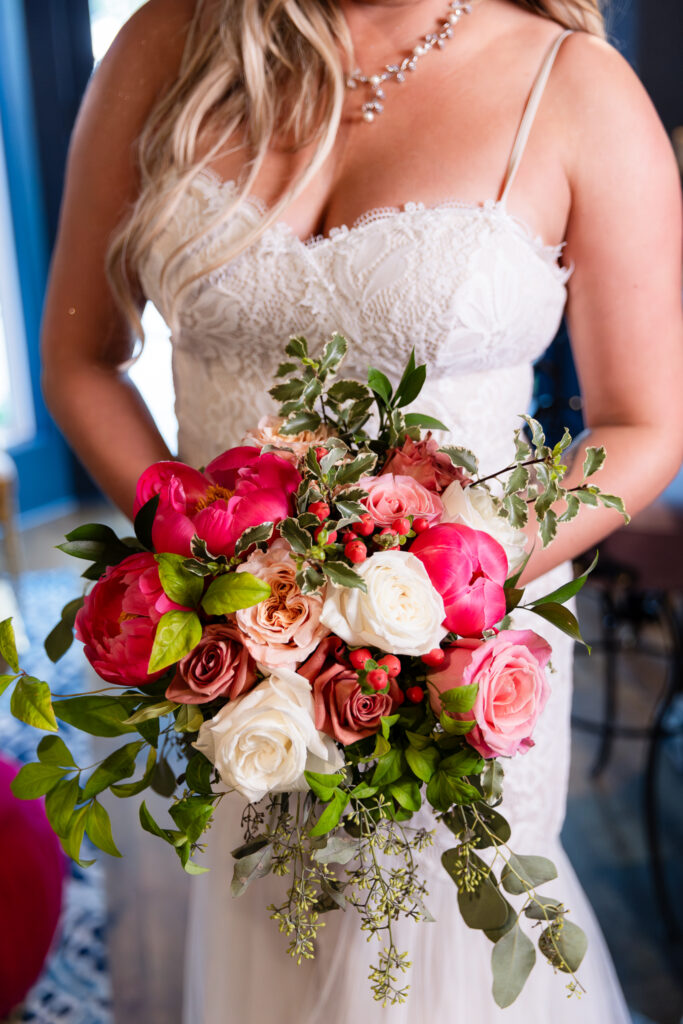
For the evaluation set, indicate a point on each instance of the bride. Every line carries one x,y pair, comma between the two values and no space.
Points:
232,164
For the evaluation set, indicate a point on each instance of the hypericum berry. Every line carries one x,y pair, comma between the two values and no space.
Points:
420,524
401,527
365,526
434,658
389,532
356,551
415,694
320,453
359,657
378,679
399,697
391,664
320,509
324,536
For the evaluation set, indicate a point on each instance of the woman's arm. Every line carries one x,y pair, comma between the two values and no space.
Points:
624,304
85,339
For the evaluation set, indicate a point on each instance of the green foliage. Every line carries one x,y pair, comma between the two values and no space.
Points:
233,591
561,617
97,715
31,703
521,874
461,457
564,944
512,960
53,750
59,639
120,764
176,635
8,645
60,803
460,699
98,828
180,585
36,779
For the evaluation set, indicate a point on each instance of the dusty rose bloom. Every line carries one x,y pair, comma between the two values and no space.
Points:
285,628
392,497
267,432
219,666
423,461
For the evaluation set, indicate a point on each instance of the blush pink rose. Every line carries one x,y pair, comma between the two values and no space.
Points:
118,621
239,489
219,666
468,568
342,710
393,497
425,463
509,669
285,628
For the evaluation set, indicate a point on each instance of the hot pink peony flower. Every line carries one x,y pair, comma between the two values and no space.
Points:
239,489
425,463
342,710
118,621
468,568
513,689
393,497
219,666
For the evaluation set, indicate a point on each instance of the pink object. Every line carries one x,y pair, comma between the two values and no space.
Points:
468,568
219,666
513,689
239,489
31,882
395,497
425,463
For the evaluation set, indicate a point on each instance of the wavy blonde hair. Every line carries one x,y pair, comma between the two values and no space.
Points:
250,69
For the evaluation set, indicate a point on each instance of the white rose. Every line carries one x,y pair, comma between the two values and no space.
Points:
263,741
401,612
474,507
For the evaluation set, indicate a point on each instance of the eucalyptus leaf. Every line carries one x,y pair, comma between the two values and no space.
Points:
522,873
492,782
512,961
254,865
337,850
564,944
544,908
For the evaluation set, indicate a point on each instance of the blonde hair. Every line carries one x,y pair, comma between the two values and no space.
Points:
251,69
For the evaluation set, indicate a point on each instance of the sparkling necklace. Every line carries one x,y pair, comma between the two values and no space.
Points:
397,72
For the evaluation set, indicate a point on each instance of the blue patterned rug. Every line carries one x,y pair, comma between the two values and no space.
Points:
75,986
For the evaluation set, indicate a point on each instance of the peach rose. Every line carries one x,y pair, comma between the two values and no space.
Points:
285,628
425,463
392,497
219,666
510,671
290,446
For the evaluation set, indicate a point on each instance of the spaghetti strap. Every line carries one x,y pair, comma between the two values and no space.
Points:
529,114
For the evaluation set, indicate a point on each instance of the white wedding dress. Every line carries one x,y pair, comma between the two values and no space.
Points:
480,299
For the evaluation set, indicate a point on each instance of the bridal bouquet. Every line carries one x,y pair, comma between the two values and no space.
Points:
318,620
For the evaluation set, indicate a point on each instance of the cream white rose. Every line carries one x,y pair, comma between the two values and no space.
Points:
401,612
474,507
264,741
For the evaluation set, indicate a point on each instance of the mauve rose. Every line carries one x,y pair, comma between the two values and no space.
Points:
425,463
342,710
513,689
468,568
118,621
285,628
219,666
392,497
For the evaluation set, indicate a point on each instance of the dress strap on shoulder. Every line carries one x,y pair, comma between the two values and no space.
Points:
529,114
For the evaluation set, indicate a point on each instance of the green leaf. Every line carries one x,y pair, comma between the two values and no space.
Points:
5,682
518,480
162,778
568,590
517,510
188,719
512,598
419,419
537,435
612,501
410,387
343,575
253,865
490,827
299,422
483,908
98,827
120,764
594,460
512,960
389,768
362,791
461,457
295,535
456,726
586,495
337,850
544,908
380,384
73,837
572,508
459,699
198,773
126,789
233,591
463,762
564,945
495,934
333,353
347,391
254,535
311,393
492,782
285,392
53,750
180,585
60,803
8,645
31,703
192,816
150,825
151,711
324,785
329,818
406,792
297,348
177,634
561,617
35,779
547,527
60,638
351,472
523,873
284,369
94,714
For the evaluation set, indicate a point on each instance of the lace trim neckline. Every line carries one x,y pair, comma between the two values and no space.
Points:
212,181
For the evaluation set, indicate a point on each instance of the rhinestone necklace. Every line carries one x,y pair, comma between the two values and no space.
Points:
397,72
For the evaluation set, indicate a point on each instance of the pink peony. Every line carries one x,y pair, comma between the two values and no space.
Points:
239,489
219,666
285,628
425,463
513,689
393,497
118,621
342,710
468,568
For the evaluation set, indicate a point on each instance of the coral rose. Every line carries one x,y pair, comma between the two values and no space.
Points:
423,461
509,669
118,621
219,666
468,568
239,489
342,710
285,628
292,447
393,497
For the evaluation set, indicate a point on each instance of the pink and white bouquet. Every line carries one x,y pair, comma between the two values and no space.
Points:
318,621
